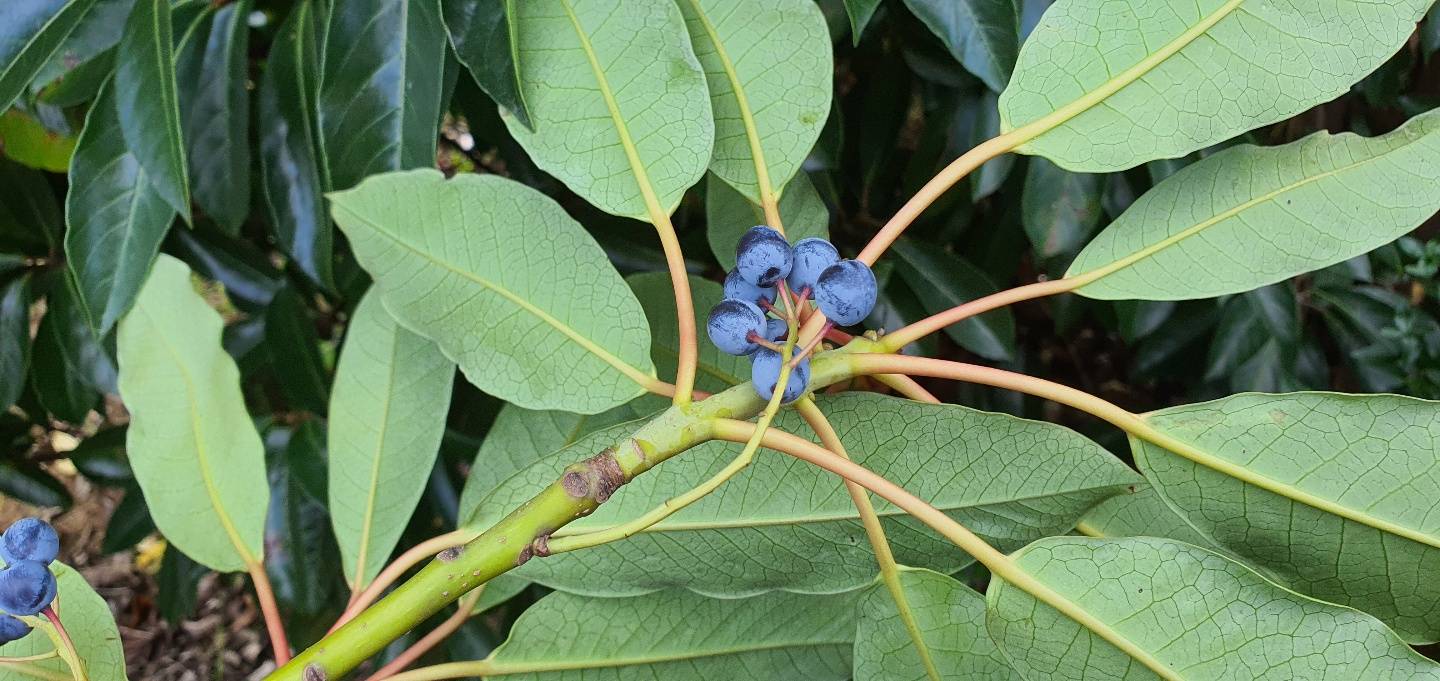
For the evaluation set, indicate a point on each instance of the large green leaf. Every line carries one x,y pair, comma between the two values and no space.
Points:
380,94
215,114
505,282
715,370
91,627
14,338
294,350
72,367
728,214
951,618
983,35
1338,500
680,636
942,281
484,39
31,32
147,102
768,88
1114,83
30,219
191,443
392,391
93,37
1188,614
291,174
783,524
116,217
1251,216
1059,209
617,99
1141,513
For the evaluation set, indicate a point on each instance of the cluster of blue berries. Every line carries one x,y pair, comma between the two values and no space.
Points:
26,585
767,266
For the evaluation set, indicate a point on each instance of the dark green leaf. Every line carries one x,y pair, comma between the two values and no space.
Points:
30,32
130,522
293,182
179,584
72,367
728,214
116,218
942,281
295,352
215,113
380,95
250,280
484,40
860,12
101,457
1060,209
97,33
1248,322
30,219
82,83
147,103
14,338
983,35
300,553
26,482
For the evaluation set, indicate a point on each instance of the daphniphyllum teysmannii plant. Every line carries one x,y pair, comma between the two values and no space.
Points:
777,497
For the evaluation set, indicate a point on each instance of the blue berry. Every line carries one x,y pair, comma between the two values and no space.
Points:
812,256
737,287
846,292
29,539
12,629
776,330
731,323
763,256
765,373
26,587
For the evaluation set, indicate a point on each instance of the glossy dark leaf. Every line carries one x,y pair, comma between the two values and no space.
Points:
942,281
97,33
14,338
215,114
147,102
983,35
1060,209
860,12
295,352
72,367
30,219
484,40
101,457
27,483
130,522
82,83
300,553
250,280
116,218
292,176
179,585
1248,323
30,32
380,95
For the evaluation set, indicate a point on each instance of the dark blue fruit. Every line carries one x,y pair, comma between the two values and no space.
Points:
736,287
29,539
12,629
763,256
731,323
812,256
776,330
846,292
26,587
765,373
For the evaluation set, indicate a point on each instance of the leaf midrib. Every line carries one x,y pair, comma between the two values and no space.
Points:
367,524
747,116
501,668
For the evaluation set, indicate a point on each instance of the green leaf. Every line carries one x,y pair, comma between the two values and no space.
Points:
91,627
26,140
1336,497
147,103
115,218
192,445
291,174
942,281
30,219
1059,209
1249,322
715,370
623,132
379,97
679,636
72,367
80,84
295,352
31,33
768,88
392,391
28,483
98,32
951,619
301,556
14,338
782,524
1266,214
983,35
484,39
505,282
1141,513
1186,611
728,214
860,12
1110,84
215,113
129,524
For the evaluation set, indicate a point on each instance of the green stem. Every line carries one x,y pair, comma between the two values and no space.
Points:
889,570
33,671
